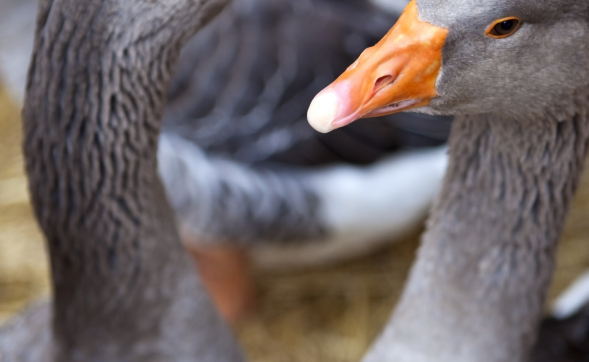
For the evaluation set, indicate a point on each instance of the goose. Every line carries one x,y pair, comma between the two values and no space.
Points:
241,164
124,288
514,74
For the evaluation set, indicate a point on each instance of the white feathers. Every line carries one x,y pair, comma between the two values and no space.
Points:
364,207
572,299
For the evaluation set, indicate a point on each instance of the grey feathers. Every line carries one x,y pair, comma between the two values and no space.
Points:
222,200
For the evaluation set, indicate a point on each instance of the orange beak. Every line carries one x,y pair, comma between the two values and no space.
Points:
397,74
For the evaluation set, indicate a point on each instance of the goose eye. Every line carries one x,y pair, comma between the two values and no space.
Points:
503,28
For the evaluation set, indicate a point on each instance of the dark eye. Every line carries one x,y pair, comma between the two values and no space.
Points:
503,28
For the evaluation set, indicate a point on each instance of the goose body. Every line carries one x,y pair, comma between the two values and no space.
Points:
515,75
266,168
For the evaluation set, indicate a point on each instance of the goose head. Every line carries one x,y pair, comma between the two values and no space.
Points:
457,57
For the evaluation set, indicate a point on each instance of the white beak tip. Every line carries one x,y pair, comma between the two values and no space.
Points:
323,111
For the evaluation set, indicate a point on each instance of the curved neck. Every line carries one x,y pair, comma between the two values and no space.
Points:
96,89
477,289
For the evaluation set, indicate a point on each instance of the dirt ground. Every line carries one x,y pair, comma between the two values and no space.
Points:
331,314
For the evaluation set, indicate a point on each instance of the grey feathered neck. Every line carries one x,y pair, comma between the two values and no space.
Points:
478,287
123,287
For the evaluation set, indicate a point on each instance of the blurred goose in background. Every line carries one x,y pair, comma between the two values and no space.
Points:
239,160
237,108
515,74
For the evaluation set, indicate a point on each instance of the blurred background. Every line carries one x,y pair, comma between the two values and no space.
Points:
318,314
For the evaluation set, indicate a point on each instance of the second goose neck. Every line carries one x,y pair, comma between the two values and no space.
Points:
124,289
477,289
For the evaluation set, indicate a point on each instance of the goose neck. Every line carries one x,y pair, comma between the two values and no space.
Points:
486,260
92,116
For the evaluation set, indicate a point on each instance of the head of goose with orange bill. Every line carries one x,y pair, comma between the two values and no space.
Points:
460,57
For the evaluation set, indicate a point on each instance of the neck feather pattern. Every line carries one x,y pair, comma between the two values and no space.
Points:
477,289
124,289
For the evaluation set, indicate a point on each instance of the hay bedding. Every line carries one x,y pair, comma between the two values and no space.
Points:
322,315
23,266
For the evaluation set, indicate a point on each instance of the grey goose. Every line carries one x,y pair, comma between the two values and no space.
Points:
515,75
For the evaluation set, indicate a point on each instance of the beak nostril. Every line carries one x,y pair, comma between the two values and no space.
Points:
382,82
